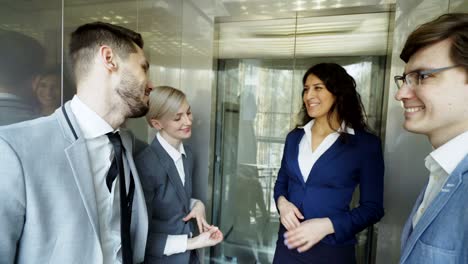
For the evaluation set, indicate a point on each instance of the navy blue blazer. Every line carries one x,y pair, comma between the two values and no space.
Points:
331,183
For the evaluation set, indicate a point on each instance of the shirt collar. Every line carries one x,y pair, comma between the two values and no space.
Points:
343,128
449,155
91,124
173,152
9,96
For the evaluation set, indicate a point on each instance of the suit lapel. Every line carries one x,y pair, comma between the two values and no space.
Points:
139,223
408,228
453,183
334,150
77,156
295,153
171,171
188,177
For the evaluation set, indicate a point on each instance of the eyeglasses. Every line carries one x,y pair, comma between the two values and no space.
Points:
414,78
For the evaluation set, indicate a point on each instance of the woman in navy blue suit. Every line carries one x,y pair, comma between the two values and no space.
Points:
323,162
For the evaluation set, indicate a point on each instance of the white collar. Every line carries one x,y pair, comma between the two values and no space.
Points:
91,124
307,127
173,152
449,155
9,96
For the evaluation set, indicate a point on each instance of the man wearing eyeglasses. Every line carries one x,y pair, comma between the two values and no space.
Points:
434,94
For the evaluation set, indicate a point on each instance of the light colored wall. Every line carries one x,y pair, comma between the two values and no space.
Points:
197,82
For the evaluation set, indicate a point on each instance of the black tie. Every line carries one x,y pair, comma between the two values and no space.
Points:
125,200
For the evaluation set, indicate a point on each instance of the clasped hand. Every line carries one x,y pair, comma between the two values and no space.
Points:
209,235
301,235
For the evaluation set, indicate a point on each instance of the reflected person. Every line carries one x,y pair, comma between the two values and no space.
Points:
22,58
47,91
70,191
249,223
322,164
166,169
434,93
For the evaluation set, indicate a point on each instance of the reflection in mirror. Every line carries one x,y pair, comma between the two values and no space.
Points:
30,42
22,58
46,88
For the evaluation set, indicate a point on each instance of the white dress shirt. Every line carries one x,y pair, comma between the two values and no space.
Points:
100,153
307,157
441,162
176,243
8,96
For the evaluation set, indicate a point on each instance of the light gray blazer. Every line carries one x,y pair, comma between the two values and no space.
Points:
441,235
168,201
48,211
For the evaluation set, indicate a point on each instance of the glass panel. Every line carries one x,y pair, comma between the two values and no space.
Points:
255,106
30,49
196,80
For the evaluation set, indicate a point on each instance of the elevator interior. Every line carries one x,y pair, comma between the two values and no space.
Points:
240,63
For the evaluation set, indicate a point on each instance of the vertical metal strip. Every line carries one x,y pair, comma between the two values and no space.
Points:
62,34
291,120
181,70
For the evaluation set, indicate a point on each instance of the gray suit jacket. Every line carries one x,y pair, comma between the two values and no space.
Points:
14,110
48,205
168,201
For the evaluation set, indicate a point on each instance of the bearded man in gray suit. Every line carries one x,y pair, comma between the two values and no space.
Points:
59,203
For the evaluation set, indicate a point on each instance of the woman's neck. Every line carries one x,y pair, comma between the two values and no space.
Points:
172,141
323,127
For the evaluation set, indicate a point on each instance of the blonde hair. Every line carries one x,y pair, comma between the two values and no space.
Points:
164,100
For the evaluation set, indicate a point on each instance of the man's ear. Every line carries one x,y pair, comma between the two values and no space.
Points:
108,58
156,124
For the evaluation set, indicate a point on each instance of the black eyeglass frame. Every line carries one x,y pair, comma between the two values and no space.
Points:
420,74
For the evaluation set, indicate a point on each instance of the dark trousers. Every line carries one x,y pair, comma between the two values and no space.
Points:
318,254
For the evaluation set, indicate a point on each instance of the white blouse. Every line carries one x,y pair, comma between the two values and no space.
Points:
307,157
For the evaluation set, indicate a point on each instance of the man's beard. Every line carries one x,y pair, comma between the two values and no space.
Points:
128,90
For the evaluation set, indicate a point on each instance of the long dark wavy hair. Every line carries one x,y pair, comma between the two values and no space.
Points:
348,105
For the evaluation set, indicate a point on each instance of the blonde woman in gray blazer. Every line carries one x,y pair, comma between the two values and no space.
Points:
166,169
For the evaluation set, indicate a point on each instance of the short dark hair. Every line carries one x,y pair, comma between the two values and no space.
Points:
21,58
452,26
347,103
86,39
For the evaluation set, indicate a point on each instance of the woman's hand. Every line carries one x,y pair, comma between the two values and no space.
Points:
309,233
198,212
208,238
289,214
